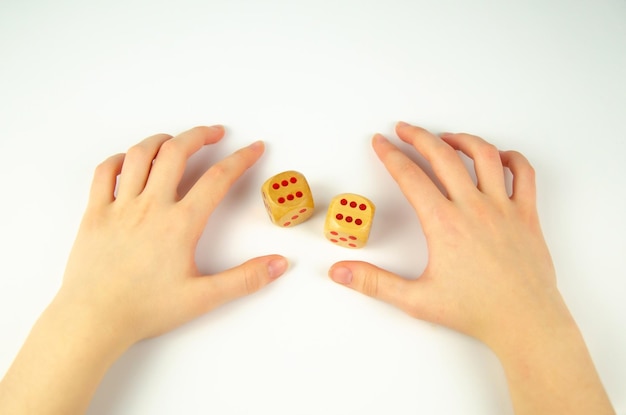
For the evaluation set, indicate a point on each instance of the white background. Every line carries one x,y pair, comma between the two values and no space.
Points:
82,80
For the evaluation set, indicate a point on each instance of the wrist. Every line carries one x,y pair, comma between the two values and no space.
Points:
548,366
89,325
64,358
532,324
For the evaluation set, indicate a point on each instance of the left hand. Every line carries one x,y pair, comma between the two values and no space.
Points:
132,267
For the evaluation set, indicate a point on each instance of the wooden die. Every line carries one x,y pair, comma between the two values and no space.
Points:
287,198
349,220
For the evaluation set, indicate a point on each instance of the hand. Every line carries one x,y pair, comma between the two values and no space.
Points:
489,268
489,272
132,264
131,273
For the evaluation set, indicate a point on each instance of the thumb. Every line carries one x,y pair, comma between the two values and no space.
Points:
376,282
247,278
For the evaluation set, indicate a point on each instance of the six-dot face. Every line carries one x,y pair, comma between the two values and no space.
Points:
349,220
287,198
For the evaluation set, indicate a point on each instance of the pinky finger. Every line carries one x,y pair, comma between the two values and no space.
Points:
524,189
105,179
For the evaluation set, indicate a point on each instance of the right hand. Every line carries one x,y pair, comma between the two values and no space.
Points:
489,269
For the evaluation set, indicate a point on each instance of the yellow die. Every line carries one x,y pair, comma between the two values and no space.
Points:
349,220
287,198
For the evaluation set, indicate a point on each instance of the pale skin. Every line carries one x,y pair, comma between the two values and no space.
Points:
489,272
132,275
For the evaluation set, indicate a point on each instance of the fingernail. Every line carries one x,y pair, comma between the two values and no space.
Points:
257,144
402,124
217,127
379,138
341,275
277,267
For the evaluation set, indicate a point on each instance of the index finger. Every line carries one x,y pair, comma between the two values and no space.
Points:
418,188
213,185
444,159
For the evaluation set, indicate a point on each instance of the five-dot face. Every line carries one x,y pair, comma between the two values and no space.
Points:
287,198
349,220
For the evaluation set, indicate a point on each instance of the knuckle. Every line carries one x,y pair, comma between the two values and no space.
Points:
405,168
444,152
218,171
236,163
103,168
138,151
418,132
241,157
514,154
516,157
522,165
489,151
251,281
108,166
170,148
471,137
528,170
369,284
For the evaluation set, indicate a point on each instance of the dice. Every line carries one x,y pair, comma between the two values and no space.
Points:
349,220
287,198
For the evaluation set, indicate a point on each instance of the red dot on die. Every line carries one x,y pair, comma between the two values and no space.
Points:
348,219
352,245
290,197
352,204
362,206
333,233
334,240
284,182
302,210
286,223
339,216
275,186
352,237
343,239
293,180
299,194
358,221
344,202
294,217
281,200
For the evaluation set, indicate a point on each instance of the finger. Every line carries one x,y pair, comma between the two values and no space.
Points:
212,291
524,188
211,188
171,159
137,165
104,180
377,283
417,187
487,163
445,161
